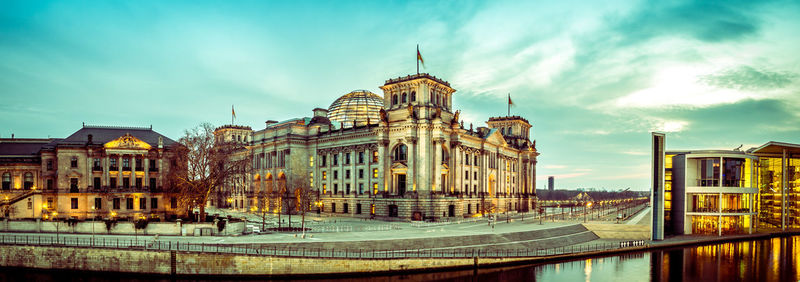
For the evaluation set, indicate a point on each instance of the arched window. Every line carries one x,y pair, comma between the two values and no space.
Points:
394,99
433,98
413,96
28,180
6,181
438,99
400,153
509,131
502,131
445,155
405,98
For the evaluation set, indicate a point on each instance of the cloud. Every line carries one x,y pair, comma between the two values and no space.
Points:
554,166
748,78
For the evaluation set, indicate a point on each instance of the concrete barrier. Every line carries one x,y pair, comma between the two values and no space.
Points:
118,228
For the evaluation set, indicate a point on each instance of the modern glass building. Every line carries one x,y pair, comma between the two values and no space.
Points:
719,192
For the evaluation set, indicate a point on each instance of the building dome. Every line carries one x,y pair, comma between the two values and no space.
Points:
356,107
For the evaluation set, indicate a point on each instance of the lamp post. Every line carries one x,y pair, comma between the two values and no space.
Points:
93,218
585,211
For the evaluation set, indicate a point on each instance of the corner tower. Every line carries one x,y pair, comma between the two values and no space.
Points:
515,129
428,96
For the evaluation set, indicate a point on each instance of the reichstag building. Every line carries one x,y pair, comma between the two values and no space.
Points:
404,154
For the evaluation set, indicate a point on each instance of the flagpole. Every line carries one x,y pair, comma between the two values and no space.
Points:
509,105
232,114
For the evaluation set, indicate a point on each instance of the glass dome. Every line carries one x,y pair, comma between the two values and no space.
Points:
356,107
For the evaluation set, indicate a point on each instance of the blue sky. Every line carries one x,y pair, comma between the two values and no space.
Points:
594,78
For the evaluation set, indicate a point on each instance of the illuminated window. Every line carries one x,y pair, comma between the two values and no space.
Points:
28,180
74,203
324,175
374,156
375,173
374,188
311,161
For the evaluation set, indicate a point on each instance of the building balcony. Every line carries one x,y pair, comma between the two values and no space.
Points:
139,168
113,168
97,168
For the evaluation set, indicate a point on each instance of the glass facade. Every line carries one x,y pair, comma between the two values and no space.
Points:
769,188
709,172
668,193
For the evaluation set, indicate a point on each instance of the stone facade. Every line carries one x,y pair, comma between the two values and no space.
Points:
97,171
416,161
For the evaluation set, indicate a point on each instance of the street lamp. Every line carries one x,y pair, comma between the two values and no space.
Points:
588,205
93,218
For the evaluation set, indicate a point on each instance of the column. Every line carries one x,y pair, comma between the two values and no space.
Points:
436,168
411,173
119,170
146,178
106,168
354,172
383,165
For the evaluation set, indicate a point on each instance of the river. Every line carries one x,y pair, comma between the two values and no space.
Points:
773,259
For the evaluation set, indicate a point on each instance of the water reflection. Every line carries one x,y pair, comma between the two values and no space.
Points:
764,260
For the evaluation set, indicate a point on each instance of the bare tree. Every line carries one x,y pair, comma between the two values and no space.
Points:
304,199
203,166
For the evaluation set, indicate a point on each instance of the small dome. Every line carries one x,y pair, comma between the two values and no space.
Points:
356,107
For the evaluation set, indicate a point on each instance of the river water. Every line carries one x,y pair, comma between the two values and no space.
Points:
773,259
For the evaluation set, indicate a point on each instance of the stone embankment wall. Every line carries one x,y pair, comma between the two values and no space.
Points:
167,263
121,228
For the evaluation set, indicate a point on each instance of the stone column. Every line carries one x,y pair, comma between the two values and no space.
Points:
411,173
146,178
354,174
436,168
106,168
119,170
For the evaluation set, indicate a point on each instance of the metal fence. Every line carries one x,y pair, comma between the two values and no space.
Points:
148,245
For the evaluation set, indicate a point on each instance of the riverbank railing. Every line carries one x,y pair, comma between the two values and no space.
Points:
265,250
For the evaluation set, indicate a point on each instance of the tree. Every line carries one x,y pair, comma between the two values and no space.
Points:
305,198
203,166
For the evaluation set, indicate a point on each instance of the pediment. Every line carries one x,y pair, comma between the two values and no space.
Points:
399,165
496,138
127,141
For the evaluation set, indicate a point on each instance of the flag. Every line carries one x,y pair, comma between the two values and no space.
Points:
233,112
419,57
509,100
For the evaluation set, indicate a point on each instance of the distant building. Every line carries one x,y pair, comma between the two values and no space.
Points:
404,154
551,183
97,171
723,192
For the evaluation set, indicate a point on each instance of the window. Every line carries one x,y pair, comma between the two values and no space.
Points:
466,158
97,183
361,188
335,159
311,161
394,99
476,161
153,203
173,203
375,173
50,203
6,181
335,188
126,182
27,180
335,174
347,188
138,182
74,162
413,96
324,175
113,164
129,203
113,182
374,156
98,203
74,203
115,203
49,164
404,97
347,174
324,188
324,160
153,166
73,184
126,163
709,172
153,183
361,157
476,175
361,174
142,203
374,188
347,158
96,164
400,153
466,176
139,165
49,184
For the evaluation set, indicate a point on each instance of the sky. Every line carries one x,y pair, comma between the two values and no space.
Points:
593,78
